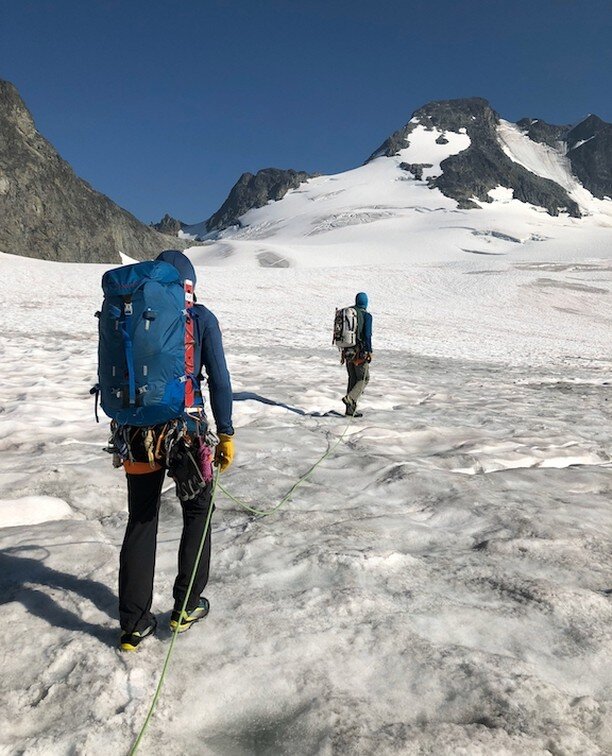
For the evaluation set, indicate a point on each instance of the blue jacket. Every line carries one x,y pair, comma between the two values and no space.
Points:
211,357
364,336
209,347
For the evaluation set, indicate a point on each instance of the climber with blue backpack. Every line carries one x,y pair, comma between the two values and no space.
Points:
155,343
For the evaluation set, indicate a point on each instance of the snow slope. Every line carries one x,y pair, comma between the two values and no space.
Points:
380,213
441,585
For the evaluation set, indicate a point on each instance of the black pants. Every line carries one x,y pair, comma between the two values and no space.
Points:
137,560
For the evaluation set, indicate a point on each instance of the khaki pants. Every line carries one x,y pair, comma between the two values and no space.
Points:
358,378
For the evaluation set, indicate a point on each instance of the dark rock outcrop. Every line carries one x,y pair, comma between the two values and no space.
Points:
168,225
590,152
252,191
47,211
399,140
415,168
471,113
545,133
587,145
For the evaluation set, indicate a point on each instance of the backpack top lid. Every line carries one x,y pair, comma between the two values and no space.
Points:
128,278
181,262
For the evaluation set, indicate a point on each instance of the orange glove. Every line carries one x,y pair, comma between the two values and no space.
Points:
224,452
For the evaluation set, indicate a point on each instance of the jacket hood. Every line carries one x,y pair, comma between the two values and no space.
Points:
181,262
361,300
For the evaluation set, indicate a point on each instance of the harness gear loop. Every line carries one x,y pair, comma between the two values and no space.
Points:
148,443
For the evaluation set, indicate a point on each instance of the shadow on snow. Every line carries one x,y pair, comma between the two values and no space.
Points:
19,575
245,396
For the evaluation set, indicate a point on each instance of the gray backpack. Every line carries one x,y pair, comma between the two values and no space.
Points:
345,328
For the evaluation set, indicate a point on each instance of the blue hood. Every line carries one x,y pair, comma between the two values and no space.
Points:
181,262
361,300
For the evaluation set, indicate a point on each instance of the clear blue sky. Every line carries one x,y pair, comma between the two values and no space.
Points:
162,105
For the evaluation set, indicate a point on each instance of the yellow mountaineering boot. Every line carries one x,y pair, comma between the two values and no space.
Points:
131,641
189,617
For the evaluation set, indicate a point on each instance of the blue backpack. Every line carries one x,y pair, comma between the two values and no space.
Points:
142,375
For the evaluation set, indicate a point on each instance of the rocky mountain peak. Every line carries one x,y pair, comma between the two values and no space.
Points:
586,129
444,115
14,110
544,133
483,166
468,113
168,225
589,146
252,191
49,212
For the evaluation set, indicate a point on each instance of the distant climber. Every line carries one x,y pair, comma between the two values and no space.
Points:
353,336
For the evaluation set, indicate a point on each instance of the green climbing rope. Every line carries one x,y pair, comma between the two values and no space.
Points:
287,496
162,677
259,513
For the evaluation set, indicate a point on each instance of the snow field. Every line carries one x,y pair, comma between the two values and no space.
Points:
440,585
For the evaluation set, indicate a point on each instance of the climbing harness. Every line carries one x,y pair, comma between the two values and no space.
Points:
158,442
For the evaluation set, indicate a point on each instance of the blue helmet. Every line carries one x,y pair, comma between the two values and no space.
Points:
361,300
181,262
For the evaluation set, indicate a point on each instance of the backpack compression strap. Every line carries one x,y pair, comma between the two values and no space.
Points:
125,327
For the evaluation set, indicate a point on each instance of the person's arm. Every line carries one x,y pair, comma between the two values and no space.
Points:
213,362
367,333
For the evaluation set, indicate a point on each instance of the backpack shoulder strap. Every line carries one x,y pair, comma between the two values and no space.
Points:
360,324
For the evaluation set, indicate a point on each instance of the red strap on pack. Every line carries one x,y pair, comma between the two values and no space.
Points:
189,346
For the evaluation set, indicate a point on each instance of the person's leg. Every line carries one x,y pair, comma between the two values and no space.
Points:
137,559
350,370
362,377
195,513
352,380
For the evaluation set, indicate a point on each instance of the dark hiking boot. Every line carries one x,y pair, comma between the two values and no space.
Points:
131,641
351,409
189,617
